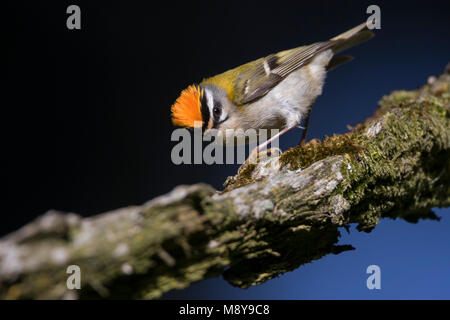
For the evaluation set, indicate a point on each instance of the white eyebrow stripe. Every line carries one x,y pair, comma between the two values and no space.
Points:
209,102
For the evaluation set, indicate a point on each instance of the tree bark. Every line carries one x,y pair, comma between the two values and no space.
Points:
271,218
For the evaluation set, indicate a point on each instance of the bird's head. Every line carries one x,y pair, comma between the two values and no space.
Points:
206,106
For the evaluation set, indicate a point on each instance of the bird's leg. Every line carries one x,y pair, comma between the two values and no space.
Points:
255,152
303,139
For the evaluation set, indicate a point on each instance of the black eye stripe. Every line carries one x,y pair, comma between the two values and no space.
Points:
217,113
213,112
205,111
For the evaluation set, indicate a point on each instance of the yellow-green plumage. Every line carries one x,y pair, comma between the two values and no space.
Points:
252,80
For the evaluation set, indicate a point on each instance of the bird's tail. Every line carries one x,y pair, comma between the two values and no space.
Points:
352,38
346,40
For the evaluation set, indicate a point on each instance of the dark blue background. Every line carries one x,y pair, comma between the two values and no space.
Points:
86,117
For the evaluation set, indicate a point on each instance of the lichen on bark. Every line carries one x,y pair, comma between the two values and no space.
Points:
271,218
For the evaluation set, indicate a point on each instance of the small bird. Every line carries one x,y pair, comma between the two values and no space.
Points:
274,92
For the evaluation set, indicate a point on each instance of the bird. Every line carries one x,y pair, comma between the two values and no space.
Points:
273,92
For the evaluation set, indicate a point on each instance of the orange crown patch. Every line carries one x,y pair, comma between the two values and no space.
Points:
187,109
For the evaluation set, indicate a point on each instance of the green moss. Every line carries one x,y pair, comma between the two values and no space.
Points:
397,98
303,156
393,167
243,177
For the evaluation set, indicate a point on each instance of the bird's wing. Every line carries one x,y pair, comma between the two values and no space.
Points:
258,77
254,79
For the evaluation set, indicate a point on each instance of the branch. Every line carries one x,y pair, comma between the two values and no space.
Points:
271,218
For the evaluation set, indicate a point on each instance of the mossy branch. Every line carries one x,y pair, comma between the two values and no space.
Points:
271,218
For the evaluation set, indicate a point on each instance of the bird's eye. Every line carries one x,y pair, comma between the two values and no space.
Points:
217,111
